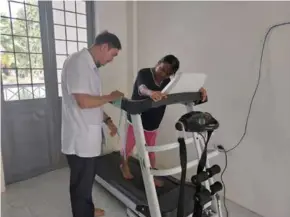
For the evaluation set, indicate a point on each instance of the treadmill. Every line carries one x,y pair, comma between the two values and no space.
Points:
140,195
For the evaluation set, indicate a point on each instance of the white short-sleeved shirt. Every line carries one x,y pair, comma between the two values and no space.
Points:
81,128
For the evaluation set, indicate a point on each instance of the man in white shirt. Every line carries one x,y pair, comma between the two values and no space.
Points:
83,117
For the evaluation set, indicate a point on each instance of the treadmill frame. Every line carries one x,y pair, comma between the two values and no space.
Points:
148,173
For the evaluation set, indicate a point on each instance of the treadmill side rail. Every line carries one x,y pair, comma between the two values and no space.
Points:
166,147
175,170
150,190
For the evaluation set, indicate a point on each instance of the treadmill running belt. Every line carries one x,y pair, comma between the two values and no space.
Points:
108,168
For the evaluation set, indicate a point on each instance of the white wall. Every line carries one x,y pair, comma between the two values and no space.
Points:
224,40
117,17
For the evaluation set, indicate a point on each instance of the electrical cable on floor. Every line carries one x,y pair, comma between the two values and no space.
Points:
221,148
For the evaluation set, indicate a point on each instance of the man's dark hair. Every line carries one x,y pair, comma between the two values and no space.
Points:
108,38
172,60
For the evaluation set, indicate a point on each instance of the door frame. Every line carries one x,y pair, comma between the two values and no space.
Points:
57,159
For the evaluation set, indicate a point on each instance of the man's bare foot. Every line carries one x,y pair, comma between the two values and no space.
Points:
126,171
158,183
99,212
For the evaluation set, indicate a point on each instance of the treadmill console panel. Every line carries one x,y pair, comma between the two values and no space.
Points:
197,121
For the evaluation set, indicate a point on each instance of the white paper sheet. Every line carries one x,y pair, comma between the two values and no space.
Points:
185,82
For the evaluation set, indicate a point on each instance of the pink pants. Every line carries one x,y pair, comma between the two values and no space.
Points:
150,137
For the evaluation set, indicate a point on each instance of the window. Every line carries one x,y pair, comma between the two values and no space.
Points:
22,70
25,56
70,31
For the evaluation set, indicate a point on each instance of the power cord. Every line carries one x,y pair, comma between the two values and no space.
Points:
258,83
220,147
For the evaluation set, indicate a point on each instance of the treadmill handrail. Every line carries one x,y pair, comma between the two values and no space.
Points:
138,106
159,148
177,169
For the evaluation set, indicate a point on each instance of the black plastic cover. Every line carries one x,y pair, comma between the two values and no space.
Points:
139,106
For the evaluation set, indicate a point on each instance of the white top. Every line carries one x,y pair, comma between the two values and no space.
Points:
81,128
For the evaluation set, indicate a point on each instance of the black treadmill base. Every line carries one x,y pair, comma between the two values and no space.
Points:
108,168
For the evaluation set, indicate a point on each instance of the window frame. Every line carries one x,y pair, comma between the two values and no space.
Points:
49,55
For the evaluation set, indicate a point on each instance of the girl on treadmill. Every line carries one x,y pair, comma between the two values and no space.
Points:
149,83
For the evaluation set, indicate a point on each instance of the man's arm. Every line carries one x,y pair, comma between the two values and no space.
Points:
107,118
110,124
78,83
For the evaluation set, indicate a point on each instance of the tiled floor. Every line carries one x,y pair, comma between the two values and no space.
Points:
47,196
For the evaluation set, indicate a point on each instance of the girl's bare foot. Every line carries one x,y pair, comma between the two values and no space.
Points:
126,171
158,183
99,212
